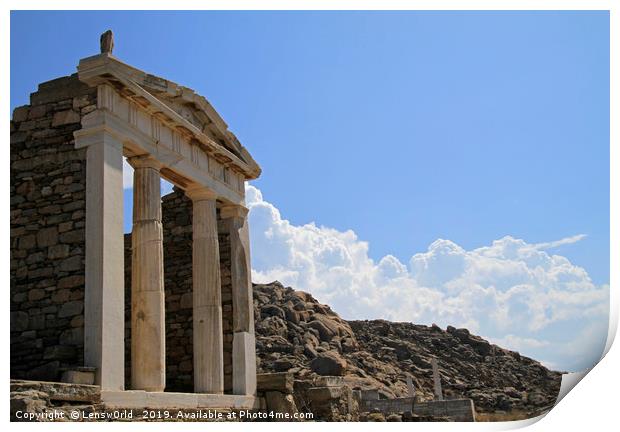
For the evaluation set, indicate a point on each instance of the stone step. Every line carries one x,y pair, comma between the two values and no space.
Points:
278,381
60,391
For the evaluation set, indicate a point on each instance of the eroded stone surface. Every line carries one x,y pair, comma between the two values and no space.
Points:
381,354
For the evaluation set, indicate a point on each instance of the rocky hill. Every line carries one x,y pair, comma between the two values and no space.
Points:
296,333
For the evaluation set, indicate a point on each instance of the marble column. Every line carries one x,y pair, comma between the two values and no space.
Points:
207,295
148,338
244,344
104,305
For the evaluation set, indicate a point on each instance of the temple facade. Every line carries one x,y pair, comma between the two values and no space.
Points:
72,316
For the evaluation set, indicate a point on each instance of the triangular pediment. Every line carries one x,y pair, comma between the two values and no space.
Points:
186,104
194,108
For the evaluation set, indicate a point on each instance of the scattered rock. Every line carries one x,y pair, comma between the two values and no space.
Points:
329,363
295,332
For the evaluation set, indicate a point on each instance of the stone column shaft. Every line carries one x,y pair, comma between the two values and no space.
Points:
148,338
104,304
244,344
207,296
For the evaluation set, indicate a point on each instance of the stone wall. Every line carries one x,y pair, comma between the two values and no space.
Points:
177,230
227,305
48,180
456,409
388,406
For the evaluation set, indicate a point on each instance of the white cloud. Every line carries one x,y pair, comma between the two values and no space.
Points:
561,242
511,291
519,343
127,175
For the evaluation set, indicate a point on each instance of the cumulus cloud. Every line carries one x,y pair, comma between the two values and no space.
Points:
515,293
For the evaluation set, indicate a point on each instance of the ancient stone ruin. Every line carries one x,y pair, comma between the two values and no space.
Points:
166,316
184,324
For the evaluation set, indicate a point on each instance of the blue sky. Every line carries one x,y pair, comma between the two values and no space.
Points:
404,127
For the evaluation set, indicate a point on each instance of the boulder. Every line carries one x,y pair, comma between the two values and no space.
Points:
329,363
28,401
281,403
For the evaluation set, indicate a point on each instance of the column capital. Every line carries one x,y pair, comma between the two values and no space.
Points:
233,211
200,193
96,135
144,161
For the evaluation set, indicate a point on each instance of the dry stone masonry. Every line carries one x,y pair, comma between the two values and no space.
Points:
85,299
48,204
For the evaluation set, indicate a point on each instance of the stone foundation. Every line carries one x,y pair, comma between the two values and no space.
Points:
49,401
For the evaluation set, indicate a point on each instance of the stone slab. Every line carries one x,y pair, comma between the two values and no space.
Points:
456,409
328,381
167,400
60,391
78,377
278,381
388,406
244,364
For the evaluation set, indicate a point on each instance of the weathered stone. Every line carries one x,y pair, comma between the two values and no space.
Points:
71,282
59,352
272,310
65,117
74,336
325,333
36,294
185,366
309,351
281,403
283,364
75,236
319,395
21,113
281,382
77,321
19,321
70,309
375,417
37,111
329,381
36,322
27,125
71,264
47,237
328,363
64,227
81,101
34,258
45,372
58,391
58,251
61,295
78,377
186,301
28,401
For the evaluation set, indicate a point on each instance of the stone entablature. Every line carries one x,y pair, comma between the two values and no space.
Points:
189,153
